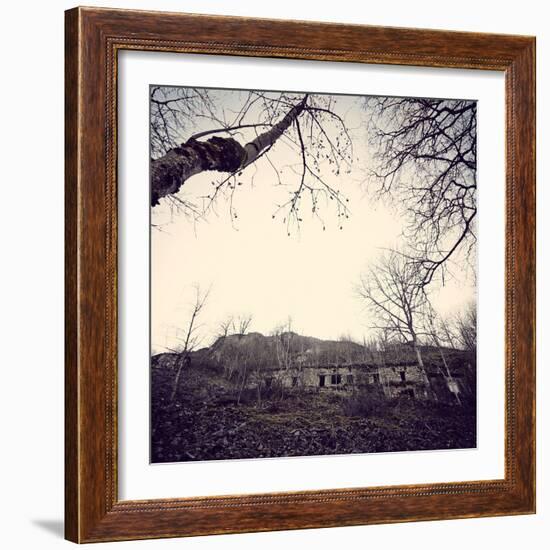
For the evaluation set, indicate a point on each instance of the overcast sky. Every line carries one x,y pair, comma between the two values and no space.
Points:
253,267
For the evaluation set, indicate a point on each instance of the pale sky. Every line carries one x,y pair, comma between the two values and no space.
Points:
253,267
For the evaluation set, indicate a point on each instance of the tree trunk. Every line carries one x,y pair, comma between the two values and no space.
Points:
181,363
419,357
171,171
423,369
448,371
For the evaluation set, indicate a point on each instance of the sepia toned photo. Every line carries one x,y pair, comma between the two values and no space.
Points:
313,274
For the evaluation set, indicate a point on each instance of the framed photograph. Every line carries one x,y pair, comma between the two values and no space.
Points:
300,275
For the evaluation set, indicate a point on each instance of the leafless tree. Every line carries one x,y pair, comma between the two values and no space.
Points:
283,344
235,324
260,361
434,325
242,361
466,324
226,327
190,336
426,161
245,361
380,346
242,323
309,125
283,339
393,291
448,334
345,348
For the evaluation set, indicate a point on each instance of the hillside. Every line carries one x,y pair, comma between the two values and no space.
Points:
289,348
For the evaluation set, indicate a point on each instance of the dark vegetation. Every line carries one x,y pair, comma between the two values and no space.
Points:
210,418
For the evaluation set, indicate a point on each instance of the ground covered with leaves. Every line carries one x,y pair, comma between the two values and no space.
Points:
204,421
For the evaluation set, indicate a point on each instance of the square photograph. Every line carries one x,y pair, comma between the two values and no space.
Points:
313,267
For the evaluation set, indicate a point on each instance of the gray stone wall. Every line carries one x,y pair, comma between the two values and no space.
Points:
394,381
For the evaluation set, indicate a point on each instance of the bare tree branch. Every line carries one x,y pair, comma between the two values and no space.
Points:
169,172
426,155
190,339
306,124
394,294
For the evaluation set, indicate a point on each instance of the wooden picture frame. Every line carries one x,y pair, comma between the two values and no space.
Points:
93,511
